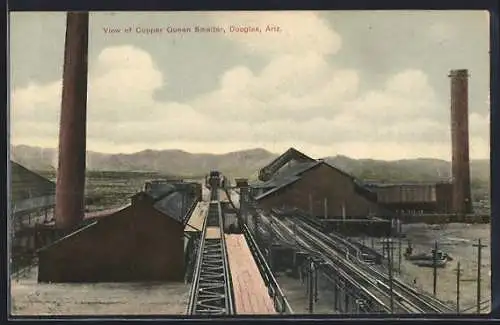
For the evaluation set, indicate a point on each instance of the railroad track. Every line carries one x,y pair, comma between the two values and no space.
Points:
426,300
368,291
211,291
405,298
363,278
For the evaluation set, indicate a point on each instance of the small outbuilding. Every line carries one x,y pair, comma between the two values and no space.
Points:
142,242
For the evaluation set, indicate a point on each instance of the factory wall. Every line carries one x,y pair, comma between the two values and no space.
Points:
444,197
415,198
137,243
316,185
406,193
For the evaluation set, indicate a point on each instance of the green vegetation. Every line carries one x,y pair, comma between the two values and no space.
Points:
108,189
126,173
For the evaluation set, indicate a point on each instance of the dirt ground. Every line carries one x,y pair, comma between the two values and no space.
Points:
296,293
456,240
30,298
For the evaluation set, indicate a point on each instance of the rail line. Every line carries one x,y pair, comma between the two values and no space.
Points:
369,291
339,259
405,296
211,291
425,299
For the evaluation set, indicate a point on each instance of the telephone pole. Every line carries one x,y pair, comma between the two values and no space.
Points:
479,249
434,268
459,272
387,244
400,257
310,285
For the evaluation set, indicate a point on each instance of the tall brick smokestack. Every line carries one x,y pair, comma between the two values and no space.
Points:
70,186
460,141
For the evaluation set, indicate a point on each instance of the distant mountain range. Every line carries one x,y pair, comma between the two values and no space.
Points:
246,163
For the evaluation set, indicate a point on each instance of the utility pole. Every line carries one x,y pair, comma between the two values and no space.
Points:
387,246
311,286
459,271
434,268
391,284
399,245
479,249
271,243
316,284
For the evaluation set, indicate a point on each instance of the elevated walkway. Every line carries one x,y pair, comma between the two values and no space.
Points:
251,295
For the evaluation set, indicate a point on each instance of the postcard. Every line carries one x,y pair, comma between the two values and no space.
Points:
249,163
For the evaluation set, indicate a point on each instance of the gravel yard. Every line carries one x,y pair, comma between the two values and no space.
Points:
31,298
296,293
456,240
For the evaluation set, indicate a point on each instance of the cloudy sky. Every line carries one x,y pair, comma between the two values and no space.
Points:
361,84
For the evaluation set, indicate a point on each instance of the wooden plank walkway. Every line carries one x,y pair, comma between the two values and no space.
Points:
250,293
197,217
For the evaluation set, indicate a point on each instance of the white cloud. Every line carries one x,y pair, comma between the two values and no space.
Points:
297,99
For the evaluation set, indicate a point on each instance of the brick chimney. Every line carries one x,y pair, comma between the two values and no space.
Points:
70,187
460,142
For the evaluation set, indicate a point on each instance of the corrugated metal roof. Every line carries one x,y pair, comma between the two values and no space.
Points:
157,191
286,174
289,175
26,184
285,182
172,205
285,177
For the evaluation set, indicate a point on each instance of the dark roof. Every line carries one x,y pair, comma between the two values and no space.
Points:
405,184
63,238
160,190
167,197
285,177
173,206
291,174
170,205
103,213
292,154
26,184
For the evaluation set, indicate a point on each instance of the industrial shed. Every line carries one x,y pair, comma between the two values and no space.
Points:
316,187
415,197
32,199
30,192
141,242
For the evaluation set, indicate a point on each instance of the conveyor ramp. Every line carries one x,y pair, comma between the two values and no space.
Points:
251,295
